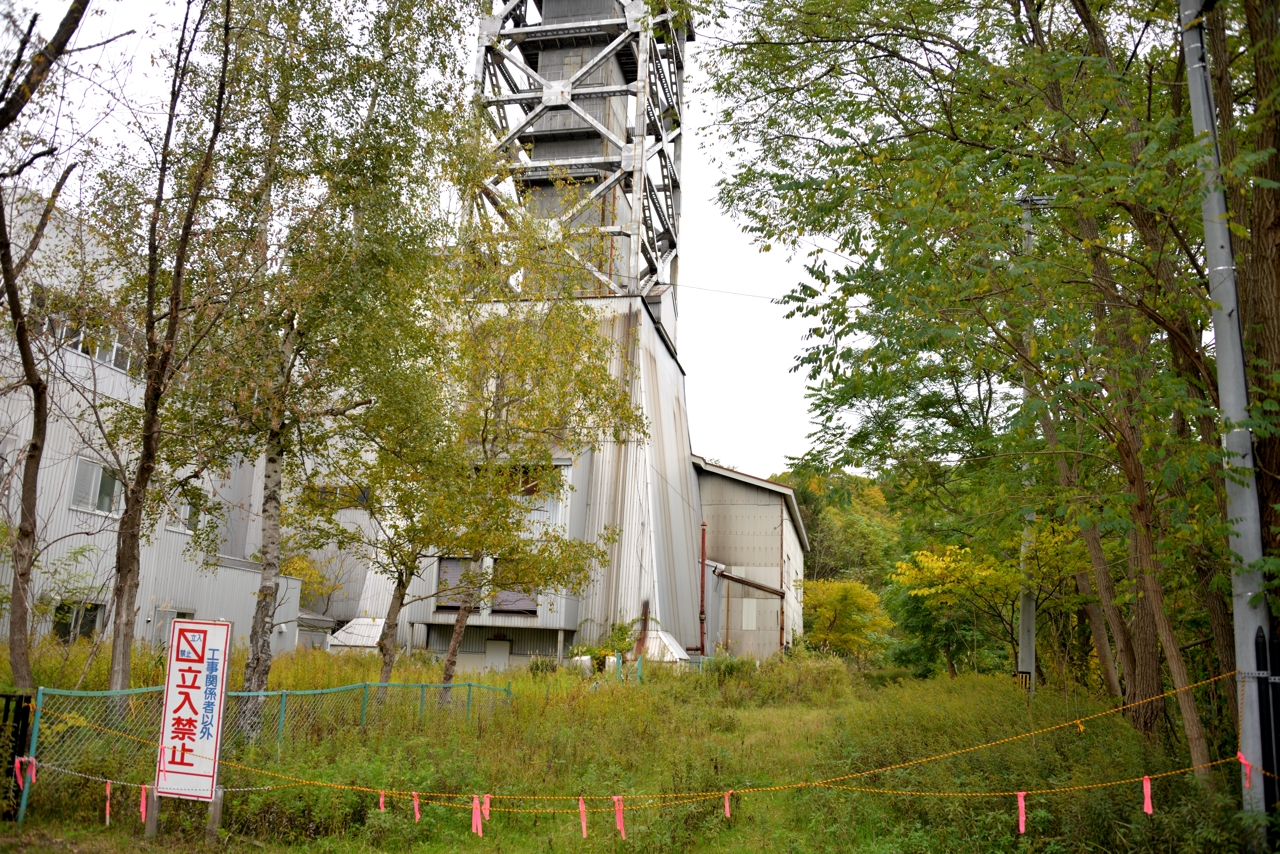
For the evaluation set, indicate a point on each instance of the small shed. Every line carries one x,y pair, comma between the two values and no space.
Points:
361,634
755,561
314,630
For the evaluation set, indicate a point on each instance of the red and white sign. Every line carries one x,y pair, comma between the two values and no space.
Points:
195,692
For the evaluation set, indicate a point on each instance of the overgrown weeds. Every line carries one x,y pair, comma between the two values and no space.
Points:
735,725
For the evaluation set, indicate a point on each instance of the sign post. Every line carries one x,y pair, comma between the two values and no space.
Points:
195,692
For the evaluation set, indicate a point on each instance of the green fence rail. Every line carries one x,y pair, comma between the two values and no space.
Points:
108,734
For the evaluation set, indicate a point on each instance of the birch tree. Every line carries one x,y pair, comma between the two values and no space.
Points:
512,374
337,188
156,216
28,140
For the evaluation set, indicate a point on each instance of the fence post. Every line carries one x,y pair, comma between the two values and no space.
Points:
31,751
422,702
215,817
364,705
640,668
619,664
509,693
468,701
153,814
280,725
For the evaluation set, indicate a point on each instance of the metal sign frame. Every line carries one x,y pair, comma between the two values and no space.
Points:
193,665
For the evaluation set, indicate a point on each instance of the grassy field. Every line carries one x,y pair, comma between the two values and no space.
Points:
735,726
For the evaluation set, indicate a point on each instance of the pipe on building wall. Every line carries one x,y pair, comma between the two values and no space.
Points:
746,582
702,596
782,571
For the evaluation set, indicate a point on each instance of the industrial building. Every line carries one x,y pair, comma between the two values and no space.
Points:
592,91
80,504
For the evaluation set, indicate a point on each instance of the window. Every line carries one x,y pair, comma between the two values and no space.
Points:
515,602
448,574
512,601
97,488
164,624
184,516
72,622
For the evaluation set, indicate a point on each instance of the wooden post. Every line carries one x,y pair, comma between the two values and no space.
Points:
215,818
153,813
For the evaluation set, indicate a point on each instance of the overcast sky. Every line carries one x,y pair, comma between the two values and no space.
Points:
746,408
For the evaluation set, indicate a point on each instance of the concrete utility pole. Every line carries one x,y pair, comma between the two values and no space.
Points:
1027,597
1242,492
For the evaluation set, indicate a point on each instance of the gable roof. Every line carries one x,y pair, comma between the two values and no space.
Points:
788,494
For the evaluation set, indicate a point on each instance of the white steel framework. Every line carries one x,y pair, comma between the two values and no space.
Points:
591,92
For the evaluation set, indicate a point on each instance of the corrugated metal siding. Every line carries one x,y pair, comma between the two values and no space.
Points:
524,641
172,578
647,490
750,529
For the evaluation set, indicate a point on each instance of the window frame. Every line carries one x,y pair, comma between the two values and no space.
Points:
95,489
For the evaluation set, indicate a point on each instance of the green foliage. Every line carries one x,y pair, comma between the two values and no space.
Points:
619,639
844,618
853,533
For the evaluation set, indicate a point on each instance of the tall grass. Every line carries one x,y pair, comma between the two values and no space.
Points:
735,725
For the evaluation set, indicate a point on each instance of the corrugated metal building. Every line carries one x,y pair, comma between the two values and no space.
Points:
592,90
79,505
756,541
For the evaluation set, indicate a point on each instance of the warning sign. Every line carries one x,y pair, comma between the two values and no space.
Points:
194,695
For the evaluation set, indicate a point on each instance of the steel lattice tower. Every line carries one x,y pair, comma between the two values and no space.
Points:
592,91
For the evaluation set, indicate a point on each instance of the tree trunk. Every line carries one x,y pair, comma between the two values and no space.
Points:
1098,628
1220,624
128,569
451,657
1259,283
1106,587
160,353
1191,723
387,642
258,665
951,665
22,543
1130,446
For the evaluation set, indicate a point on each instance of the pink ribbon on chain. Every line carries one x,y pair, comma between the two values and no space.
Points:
617,815
1022,812
382,801
416,815
1248,768
142,804
485,807
1146,795
582,813
108,803
17,769
477,823
726,802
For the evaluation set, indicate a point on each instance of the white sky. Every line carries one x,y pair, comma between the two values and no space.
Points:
746,408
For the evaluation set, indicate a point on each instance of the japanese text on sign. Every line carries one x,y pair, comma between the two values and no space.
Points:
194,696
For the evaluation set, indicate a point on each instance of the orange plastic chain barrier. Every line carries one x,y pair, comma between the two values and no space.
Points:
464,801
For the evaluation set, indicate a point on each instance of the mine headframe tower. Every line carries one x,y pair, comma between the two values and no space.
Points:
589,93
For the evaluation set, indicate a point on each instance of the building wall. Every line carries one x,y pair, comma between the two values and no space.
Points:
78,564
647,490
750,534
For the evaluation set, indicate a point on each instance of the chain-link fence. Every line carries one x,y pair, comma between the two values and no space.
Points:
114,735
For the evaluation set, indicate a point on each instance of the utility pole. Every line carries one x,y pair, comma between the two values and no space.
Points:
1027,596
1250,608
